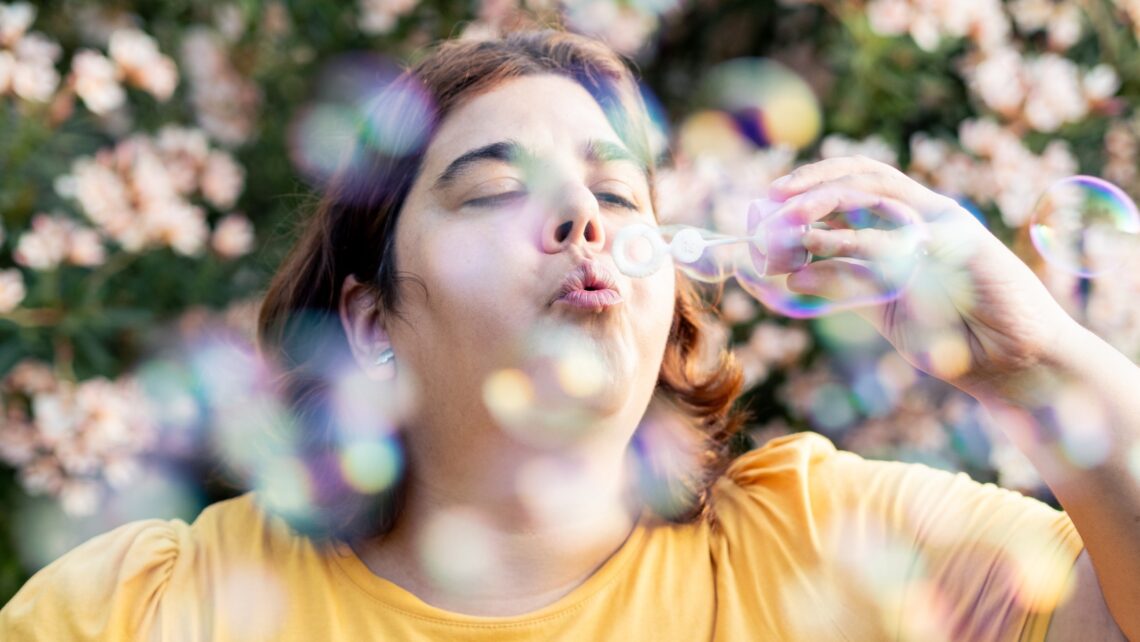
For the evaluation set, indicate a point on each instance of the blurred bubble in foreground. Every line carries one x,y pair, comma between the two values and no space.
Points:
1084,226
551,392
770,104
772,249
362,102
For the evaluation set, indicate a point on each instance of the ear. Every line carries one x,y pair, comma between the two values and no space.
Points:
363,324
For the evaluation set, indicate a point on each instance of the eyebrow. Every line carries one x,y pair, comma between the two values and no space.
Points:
513,152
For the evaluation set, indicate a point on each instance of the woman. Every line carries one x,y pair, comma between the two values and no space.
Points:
447,255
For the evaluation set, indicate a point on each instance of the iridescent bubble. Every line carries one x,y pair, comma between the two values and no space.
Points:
372,466
711,133
363,102
458,549
667,459
773,247
770,104
551,394
42,531
256,601
1085,226
319,136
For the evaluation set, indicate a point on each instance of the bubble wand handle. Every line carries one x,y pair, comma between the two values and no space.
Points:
774,246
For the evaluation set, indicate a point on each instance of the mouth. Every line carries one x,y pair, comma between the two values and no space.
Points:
589,287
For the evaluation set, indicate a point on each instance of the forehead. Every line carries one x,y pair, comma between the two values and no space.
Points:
547,113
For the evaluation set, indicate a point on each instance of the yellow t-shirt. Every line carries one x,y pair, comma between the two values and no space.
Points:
809,543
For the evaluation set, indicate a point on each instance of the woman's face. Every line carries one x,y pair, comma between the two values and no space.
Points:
507,233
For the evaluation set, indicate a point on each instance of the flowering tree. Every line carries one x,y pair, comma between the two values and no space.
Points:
146,150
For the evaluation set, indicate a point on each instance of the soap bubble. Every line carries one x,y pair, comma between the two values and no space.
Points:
551,393
361,102
770,104
771,249
1084,225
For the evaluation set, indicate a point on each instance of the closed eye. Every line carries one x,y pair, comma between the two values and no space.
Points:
501,198
615,200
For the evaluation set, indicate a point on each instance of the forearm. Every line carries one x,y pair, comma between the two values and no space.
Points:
1077,418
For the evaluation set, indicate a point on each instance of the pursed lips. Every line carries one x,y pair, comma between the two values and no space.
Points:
589,286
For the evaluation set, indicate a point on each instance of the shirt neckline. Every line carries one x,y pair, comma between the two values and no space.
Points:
397,598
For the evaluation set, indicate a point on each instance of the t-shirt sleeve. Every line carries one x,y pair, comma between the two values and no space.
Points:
109,588
898,550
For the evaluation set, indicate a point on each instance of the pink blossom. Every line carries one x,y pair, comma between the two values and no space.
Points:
233,237
380,16
15,20
33,74
222,180
184,151
30,377
143,65
176,224
12,290
226,103
7,71
873,147
45,246
85,248
96,81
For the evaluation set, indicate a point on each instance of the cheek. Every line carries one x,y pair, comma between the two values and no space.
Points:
474,273
658,294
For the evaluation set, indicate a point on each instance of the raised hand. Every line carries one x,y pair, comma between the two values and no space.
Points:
971,313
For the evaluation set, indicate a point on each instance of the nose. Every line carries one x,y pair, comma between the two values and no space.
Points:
575,221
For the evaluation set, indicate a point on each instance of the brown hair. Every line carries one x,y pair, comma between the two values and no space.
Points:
352,232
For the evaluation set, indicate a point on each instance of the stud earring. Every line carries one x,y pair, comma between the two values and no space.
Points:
386,356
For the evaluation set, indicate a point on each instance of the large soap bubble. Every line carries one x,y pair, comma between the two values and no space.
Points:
770,250
770,104
1085,226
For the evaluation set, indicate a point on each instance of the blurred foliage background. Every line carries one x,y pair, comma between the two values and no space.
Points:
155,158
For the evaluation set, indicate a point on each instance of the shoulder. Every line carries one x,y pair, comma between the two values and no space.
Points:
113,586
104,588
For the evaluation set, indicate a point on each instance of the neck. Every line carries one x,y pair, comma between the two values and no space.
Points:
505,534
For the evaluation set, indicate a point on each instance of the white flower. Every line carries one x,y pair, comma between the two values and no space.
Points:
34,80
101,193
45,246
997,81
1056,96
179,225
7,71
143,65
1100,83
85,247
889,17
380,16
80,497
222,180
12,290
15,19
184,151
233,237
97,81
1064,27
873,147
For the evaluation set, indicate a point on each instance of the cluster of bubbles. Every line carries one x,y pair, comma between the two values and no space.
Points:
217,395
771,249
1082,225
552,388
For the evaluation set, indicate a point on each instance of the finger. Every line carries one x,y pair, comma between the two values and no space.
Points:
811,175
866,244
835,280
818,204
